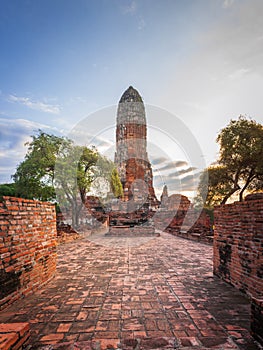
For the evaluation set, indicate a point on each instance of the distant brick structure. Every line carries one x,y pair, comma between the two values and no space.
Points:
238,253
28,240
178,202
179,218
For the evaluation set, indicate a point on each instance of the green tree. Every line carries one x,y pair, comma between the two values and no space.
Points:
74,173
240,164
215,184
115,184
106,180
35,175
7,190
241,149
56,169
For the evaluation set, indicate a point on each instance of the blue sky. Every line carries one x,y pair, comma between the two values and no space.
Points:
61,60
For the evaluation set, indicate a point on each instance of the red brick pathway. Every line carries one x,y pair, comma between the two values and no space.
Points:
135,294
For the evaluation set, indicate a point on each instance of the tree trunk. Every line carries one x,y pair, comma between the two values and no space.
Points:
249,180
235,188
75,215
230,194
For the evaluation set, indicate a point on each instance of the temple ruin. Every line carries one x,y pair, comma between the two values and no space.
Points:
131,156
134,168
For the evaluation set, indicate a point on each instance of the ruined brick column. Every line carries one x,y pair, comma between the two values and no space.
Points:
131,155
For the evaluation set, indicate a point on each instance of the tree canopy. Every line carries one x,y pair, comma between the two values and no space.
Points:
35,175
115,184
215,184
106,180
73,177
7,190
56,169
240,163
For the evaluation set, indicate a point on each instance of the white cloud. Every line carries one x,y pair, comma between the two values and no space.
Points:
223,77
235,42
239,73
173,165
37,105
182,172
228,3
158,160
141,23
14,133
130,8
188,183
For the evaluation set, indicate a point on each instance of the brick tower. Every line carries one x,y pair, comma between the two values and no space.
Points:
131,156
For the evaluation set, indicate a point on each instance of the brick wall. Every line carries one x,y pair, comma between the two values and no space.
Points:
257,319
28,242
197,227
238,245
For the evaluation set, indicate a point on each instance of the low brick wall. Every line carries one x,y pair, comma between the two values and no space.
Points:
238,245
28,241
238,253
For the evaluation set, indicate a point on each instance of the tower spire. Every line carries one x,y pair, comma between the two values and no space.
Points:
131,156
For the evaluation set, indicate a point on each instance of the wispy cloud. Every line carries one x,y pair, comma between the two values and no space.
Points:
180,163
177,185
173,165
141,23
239,73
130,8
228,3
13,135
190,182
37,105
158,160
182,172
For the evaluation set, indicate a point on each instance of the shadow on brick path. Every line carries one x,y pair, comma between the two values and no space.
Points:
157,294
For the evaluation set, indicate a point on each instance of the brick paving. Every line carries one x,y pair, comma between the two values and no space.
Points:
135,293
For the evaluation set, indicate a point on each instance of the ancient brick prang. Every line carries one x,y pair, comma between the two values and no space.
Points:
131,155
238,245
28,240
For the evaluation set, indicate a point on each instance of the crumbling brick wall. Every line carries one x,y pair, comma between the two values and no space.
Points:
238,253
28,241
238,245
197,227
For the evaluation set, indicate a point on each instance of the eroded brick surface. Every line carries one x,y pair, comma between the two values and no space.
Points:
238,248
13,335
28,240
160,294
